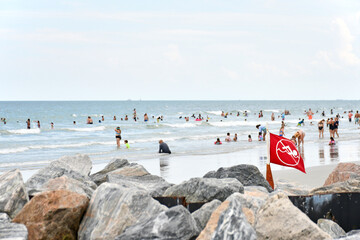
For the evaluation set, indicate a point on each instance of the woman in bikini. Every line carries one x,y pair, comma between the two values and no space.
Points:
299,135
118,136
321,128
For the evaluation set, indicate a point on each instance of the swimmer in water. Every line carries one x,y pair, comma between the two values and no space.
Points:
321,128
28,123
127,144
249,138
262,130
89,120
218,142
52,125
235,138
118,136
228,139
282,132
332,141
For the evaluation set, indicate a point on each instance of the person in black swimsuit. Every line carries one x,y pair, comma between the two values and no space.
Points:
336,126
28,123
118,136
331,127
321,128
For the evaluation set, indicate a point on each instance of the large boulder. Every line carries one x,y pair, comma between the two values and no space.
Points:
256,191
11,231
205,189
153,184
228,222
112,208
248,175
348,186
174,223
86,188
131,170
202,215
13,194
77,167
53,215
291,189
331,227
280,219
342,172
100,177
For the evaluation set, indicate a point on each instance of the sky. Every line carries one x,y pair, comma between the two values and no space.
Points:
179,50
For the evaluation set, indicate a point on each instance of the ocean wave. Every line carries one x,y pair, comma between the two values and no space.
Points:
74,115
52,146
182,125
25,131
214,112
90,129
272,110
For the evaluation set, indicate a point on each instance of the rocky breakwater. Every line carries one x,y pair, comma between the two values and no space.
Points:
119,202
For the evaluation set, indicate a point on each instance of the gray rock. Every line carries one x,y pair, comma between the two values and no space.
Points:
280,219
203,214
205,189
248,175
112,208
228,222
154,185
331,227
4,217
256,191
291,189
13,194
174,223
131,170
77,167
100,177
352,235
86,188
13,231
348,186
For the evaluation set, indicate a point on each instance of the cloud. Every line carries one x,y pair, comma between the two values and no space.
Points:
325,57
172,53
230,74
345,51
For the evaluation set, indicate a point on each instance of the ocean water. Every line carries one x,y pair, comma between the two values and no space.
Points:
32,149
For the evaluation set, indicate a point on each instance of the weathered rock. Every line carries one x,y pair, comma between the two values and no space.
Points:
280,219
11,231
348,186
174,223
86,188
112,208
342,172
291,189
205,189
53,215
100,177
154,185
228,222
248,175
13,194
256,191
4,217
203,214
251,205
352,235
77,167
331,227
132,170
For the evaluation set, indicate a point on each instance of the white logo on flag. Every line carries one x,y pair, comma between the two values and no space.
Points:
285,151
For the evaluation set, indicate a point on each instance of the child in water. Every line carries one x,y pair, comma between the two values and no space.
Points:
281,132
218,142
260,136
332,141
127,144
249,139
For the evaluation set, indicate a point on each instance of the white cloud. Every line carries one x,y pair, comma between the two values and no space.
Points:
172,53
345,51
325,57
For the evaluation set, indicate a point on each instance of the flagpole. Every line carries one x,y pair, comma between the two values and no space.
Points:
269,176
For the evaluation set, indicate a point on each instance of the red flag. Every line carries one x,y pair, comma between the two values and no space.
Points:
284,152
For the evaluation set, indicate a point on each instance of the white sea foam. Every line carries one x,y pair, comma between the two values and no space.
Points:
182,125
214,112
25,131
90,129
74,115
272,110
52,146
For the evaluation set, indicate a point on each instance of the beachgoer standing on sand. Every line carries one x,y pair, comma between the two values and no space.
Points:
262,130
321,128
163,147
118,136
299,135
28,123
228,139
